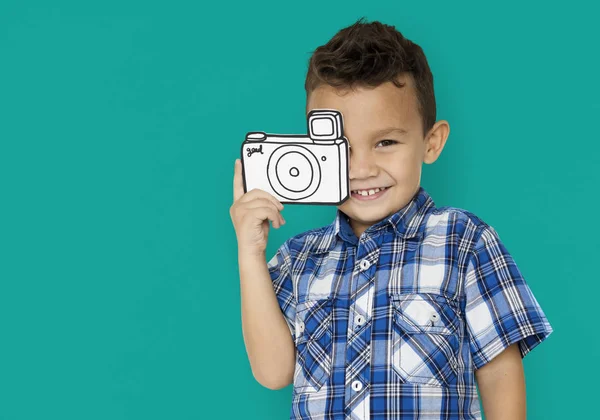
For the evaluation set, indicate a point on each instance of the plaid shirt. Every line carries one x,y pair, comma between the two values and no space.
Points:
394,324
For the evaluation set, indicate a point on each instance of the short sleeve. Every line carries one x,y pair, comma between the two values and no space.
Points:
280,270
500,307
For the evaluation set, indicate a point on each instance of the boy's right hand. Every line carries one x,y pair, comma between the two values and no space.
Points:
250,214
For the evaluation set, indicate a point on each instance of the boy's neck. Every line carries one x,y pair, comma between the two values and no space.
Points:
358,228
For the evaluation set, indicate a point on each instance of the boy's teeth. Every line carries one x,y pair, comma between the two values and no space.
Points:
365,193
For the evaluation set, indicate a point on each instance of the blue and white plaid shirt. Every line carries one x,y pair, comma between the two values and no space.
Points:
393,326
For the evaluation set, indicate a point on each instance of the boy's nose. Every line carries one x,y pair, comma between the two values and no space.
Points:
361,166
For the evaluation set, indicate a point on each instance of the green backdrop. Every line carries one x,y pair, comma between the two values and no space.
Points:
119,126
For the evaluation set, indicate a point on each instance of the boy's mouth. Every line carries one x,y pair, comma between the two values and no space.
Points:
369,194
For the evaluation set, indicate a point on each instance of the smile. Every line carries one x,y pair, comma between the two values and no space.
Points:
370,194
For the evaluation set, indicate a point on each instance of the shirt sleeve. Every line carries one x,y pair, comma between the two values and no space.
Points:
500,307
281,276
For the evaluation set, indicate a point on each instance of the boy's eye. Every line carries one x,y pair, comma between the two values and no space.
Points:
387,142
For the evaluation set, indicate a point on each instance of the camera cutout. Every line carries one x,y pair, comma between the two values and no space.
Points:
286,165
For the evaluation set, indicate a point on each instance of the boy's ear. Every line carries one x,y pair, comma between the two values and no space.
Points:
436,140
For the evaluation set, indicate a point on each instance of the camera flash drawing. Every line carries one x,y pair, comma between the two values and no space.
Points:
297,168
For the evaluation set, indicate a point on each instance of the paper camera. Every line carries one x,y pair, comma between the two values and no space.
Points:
303,169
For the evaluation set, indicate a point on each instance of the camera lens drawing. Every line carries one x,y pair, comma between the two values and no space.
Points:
294,172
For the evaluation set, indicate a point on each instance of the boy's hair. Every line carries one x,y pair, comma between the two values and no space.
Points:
369,54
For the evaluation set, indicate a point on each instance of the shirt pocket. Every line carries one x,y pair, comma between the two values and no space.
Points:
313,344
425,339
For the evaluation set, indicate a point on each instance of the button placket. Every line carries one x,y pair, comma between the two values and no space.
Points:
359,340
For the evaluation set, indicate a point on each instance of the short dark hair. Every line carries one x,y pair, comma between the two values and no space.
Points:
369,54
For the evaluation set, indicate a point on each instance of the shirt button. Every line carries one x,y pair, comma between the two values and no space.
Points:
357,385
359,319
364,265
434,317
301,326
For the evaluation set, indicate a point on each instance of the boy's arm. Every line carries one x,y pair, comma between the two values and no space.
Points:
269,344
501,385
504,323
267,337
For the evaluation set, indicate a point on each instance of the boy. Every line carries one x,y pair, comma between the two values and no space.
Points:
398,309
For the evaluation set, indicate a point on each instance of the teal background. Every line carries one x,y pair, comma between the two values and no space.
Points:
119,126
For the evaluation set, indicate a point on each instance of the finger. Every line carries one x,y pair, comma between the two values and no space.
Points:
238,182
264,213
255,193
252,203
258,203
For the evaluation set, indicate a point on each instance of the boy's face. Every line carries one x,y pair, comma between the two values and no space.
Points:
387,147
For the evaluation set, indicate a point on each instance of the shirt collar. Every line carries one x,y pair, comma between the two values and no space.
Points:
406,222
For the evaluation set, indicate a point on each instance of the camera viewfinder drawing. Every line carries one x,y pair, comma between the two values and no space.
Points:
300,168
